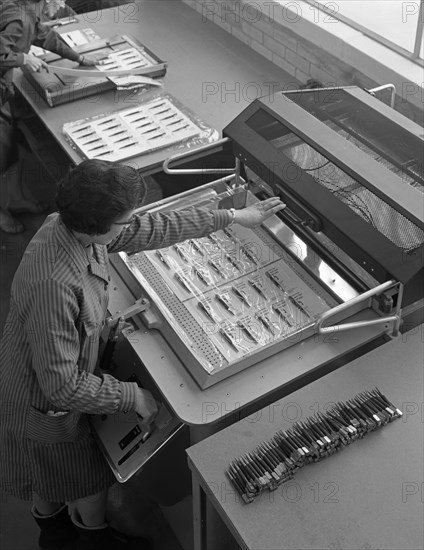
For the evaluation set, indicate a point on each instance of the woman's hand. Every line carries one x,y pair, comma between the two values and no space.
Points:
257,213
35,64
146,406
91,60
51,7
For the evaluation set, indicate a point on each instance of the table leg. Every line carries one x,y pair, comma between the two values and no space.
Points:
198,519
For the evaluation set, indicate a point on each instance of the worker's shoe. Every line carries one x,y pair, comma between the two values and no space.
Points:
57,530
102,537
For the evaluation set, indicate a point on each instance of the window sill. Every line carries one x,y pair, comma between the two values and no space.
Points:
349,45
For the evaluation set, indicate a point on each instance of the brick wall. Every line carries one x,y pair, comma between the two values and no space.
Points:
282,37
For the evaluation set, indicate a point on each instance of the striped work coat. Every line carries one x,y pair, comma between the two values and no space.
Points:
48,383
20,28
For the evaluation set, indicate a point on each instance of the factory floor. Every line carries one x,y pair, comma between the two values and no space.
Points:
128,508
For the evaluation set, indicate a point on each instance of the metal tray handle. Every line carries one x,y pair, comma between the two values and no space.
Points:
358,299
385,87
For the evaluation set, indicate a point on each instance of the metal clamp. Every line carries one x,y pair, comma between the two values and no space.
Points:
139,306
358,299
384,87
117,324
203,148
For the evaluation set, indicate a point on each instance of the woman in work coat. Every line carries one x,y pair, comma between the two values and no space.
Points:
21,27
58,304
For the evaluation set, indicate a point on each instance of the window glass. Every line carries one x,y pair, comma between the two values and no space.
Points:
394,20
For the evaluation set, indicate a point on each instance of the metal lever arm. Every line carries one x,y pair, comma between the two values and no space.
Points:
385,87
140,305
358,299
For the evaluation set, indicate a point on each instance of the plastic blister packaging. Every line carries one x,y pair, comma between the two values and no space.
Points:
127,58
131,58
243,294
230,296
159,123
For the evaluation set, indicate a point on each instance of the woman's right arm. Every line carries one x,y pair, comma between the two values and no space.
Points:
49,315
12,30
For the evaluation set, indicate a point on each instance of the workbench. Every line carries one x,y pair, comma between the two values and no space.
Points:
209,71
369,495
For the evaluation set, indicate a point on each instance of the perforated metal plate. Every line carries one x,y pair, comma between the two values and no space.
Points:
188,323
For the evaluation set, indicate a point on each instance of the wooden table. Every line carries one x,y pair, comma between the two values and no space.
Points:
369,495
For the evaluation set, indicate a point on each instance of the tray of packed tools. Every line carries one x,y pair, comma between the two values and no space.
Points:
228,300
121,52
160,123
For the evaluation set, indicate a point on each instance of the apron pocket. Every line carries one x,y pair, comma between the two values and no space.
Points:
52,429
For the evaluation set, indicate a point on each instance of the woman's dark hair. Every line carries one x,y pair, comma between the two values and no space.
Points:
96,193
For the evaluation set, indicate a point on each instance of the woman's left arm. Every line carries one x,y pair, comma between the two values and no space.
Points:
159,230
49,39
151,231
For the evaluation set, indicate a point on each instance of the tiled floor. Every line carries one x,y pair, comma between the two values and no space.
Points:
127,507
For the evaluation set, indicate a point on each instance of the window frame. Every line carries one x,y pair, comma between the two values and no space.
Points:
413,56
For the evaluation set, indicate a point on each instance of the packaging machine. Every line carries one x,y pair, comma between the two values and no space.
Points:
346,254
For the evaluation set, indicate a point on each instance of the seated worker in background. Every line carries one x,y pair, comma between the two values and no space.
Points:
20,28
49,381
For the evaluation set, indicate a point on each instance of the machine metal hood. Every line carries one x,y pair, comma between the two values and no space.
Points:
349,167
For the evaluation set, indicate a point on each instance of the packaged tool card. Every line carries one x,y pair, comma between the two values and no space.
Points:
79,37
161,123
122,53
72,38
128,59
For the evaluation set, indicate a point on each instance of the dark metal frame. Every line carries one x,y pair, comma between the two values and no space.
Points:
369,248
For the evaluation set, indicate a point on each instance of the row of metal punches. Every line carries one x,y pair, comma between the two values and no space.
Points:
321,435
